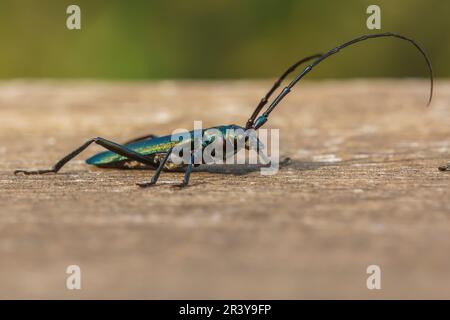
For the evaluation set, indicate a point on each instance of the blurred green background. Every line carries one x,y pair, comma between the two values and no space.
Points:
216,38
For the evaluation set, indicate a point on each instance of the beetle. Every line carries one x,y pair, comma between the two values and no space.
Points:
155,151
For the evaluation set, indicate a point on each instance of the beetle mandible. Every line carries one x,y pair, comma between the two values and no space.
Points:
154,151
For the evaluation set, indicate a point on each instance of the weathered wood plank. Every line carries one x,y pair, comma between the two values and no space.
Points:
362,188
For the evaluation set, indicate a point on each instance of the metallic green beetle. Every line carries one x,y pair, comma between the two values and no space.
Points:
155,151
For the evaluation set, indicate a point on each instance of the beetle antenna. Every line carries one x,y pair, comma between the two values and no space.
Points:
263,118
277,83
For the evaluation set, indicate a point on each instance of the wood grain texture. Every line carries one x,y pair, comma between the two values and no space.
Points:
362,188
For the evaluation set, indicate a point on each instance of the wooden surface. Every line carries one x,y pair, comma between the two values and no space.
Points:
362,188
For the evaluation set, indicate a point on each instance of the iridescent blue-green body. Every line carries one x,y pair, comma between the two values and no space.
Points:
156,148
156,151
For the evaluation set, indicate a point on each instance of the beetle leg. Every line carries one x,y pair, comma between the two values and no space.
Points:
109,145
157,173
147,137
187,173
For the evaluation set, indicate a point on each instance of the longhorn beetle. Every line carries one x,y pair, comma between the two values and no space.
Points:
155,151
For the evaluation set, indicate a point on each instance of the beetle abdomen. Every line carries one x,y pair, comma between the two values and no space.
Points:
145,147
